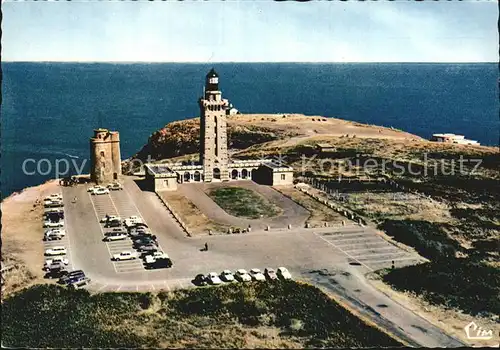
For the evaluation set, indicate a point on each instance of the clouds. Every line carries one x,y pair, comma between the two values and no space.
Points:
252,31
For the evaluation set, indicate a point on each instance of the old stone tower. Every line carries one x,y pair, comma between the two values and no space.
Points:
213,134
105,160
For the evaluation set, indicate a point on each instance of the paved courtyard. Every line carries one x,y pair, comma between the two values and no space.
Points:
334,258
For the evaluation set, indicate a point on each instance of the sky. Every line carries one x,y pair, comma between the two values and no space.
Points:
250,31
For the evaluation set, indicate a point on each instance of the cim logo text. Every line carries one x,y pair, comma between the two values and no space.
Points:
474,332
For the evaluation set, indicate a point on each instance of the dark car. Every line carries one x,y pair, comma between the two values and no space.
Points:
160,264
199,280
140,233
77,281
56,270
147,248
55,216
138,225
71,275
146,240
113,223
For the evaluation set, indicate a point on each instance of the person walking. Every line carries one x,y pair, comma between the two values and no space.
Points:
206,246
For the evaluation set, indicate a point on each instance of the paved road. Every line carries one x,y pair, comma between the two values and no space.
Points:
335,259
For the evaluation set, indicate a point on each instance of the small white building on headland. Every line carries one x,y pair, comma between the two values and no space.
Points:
452,138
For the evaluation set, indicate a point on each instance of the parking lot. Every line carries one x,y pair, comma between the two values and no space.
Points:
368,249
300,250
64,241
120,204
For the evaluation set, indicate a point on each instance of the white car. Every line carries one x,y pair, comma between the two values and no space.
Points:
54,196
53,224
227,276
283,273
151,258
115,236
58,250
115,186
111,218
257,275
213,278
134,219
93,188
242,275
55,260
55,232
49,203
98,191
126,255
131,221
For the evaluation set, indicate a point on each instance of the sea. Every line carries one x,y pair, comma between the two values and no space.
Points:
49,110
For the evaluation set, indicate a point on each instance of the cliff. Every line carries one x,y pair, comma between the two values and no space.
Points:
180,138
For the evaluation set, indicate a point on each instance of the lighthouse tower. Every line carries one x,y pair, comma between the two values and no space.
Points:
213,132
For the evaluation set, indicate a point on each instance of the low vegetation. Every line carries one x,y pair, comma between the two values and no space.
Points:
264,315
473,288
455,224
242,202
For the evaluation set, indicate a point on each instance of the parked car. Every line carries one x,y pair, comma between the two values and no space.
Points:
74,279
199,280
54,235
147,248
257,275
213,278
70,275
157,259
283,273
125,255
110,218
53,211
113,223
77,281
56,270
55,260
270,273
137,234
138,225
115,236
58,250
115,186
99,191
55,215
132,221
242,275
53,203
57,231
54,196
93,188
53,224
143,240
227,276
